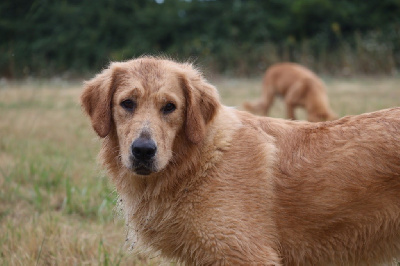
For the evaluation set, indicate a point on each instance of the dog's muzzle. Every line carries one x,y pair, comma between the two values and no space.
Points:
143,153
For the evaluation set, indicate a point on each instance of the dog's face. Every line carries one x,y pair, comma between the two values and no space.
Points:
149,102
147,116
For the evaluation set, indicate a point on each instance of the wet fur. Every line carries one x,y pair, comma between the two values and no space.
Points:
299,87
240,189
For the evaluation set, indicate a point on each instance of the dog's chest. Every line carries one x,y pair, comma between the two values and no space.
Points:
165,225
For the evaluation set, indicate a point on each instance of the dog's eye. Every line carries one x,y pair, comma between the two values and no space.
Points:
168,108
128,105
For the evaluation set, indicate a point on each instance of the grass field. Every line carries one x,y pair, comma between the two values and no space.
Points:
56,204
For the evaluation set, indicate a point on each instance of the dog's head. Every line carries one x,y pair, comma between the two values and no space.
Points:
149,102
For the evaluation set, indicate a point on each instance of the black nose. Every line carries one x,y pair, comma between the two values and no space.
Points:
143,149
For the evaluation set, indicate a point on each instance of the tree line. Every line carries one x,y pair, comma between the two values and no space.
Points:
238,37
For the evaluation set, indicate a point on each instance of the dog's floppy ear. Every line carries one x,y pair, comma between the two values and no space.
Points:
202,102
96,101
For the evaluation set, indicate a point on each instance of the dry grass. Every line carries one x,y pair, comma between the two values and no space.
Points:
57,207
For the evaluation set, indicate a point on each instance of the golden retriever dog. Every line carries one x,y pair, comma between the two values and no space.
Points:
299,87
202,184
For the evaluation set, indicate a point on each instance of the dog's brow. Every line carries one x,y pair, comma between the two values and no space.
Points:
135,91
165,97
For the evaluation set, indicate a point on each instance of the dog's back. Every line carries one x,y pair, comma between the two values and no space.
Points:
338,189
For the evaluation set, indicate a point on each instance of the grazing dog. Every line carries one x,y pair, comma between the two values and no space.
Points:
204,184
299,87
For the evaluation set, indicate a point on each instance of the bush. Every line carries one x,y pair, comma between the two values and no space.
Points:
241,37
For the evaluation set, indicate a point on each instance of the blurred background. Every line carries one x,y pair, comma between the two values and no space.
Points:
239,37
57,206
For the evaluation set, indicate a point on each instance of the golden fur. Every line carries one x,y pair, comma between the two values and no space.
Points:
230,188
299,87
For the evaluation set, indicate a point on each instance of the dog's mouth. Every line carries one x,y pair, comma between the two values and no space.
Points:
143,168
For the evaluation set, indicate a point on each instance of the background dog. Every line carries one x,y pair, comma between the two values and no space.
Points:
299,87
206,184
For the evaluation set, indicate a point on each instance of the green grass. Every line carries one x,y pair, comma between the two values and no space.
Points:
57,205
